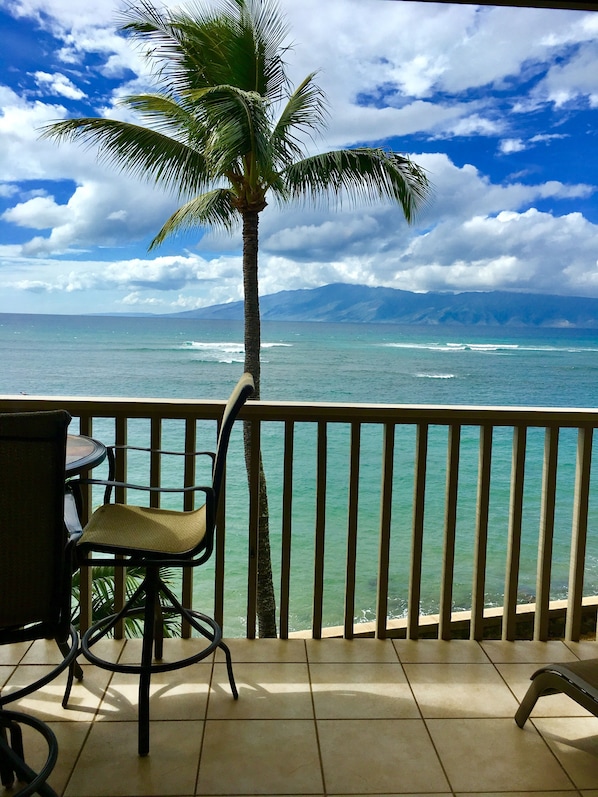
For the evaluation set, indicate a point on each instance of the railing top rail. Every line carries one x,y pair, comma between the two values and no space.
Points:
300,411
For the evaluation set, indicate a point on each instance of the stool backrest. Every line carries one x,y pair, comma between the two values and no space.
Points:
33,569
243,389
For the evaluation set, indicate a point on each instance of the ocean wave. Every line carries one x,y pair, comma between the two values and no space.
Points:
211,346
434,376
223,352
487,347
220,352
451,347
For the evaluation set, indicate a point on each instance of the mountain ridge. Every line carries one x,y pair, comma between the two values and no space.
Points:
347,303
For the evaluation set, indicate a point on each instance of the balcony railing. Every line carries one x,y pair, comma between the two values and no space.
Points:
380,516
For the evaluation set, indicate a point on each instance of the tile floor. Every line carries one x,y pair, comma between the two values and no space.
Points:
322,717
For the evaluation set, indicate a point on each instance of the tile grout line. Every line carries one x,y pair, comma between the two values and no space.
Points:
313,708
204,725
423,719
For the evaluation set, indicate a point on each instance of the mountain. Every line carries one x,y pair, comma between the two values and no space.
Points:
361,304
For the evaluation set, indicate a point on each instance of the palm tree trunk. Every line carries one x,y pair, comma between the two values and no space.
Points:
266,602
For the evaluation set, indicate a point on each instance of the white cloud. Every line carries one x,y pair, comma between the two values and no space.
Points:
512,145
391,69
59,85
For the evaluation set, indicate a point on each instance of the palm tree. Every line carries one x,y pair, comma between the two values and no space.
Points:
225,131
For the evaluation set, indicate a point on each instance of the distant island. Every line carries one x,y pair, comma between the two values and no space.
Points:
342,303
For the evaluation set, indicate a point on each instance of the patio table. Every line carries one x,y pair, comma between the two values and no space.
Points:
82,453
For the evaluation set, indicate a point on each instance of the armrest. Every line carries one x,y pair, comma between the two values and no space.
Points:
71,517
163,451
112,482
110,485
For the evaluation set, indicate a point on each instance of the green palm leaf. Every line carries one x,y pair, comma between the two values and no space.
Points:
140,151
359,175
213,209
102,596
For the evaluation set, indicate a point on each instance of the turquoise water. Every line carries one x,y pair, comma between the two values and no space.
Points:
160,357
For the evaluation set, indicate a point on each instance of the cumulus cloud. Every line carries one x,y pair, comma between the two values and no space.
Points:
424,76
59,85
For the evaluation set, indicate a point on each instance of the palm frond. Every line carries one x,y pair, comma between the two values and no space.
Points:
102,596
236,42
212,209
137,150
239,126
306,110
364,174
265,31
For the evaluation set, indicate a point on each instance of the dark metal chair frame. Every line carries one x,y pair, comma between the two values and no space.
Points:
156,599
36,566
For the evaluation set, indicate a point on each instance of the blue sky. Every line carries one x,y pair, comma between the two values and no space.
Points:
499,105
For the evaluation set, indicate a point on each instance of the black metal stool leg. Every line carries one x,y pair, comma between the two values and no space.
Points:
151,599
229,669
7,775
12,760
158,601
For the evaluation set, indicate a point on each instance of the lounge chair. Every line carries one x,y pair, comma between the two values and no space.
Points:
578,679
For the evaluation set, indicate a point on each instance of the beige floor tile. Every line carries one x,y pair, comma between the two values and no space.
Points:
364,650
6,671
43,651
255,650
517,677
460,690
70,737
275,691
358,691
584,650
260,757
569,793
109,765
437,650
46,703
574,741
495,755
527,651
174,649
12,654
379,756
180,694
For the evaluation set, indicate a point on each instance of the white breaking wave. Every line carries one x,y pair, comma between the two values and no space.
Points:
485,347
453,347
435,376
223,352
217,351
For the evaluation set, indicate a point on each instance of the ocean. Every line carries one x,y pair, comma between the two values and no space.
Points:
370,363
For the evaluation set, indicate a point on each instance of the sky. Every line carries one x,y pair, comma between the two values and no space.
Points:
499,106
